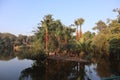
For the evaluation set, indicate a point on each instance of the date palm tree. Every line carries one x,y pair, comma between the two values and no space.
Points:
45,23
80,22
76,23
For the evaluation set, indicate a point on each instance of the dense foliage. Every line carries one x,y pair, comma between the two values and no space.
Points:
52,36
10,43
59,36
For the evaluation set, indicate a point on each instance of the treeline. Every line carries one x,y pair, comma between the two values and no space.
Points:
9,41
53,37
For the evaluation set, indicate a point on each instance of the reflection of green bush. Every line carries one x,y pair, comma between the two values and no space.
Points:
6,54
38,56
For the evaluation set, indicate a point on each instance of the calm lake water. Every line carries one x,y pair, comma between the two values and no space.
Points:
18,69
11,69
15,69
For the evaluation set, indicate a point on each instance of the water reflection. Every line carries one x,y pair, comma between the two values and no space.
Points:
10,65
13,69
107,68
10,70
104,68
63,70
36,72
7,55
52,70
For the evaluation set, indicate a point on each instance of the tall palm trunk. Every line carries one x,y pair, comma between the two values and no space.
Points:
65,41
77,34
80,34
47,41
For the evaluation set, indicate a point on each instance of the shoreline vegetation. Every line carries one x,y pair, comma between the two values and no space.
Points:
52,36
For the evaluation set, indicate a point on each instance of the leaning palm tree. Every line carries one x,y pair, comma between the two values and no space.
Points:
80,22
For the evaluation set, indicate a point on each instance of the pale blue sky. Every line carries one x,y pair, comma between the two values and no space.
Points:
22,16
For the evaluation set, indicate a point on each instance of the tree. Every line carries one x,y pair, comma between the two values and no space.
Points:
88,35
107,38
118,11
59,35
76,23
114,41
7,40
85,46
100,42
46,22
80,22
100,26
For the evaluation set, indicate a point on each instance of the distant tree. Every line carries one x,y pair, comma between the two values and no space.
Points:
7,41
118,11
21,39
100,26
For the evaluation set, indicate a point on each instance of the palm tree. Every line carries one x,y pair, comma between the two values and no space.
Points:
80,22
47,20
76,23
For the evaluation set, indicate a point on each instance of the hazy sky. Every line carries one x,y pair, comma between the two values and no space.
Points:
22,16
